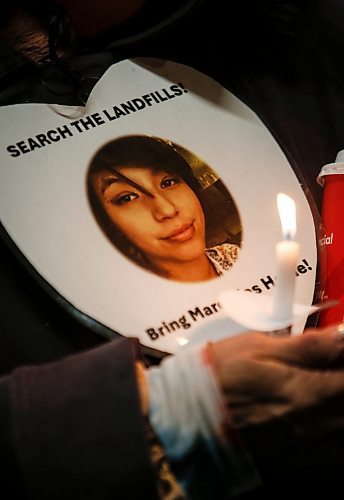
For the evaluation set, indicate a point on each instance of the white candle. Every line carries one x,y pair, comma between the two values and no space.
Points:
287,254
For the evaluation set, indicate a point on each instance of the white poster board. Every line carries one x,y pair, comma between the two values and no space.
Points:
46,151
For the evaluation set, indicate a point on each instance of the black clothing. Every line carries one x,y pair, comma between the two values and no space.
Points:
73,429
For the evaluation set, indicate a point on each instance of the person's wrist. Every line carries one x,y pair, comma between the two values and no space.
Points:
142,387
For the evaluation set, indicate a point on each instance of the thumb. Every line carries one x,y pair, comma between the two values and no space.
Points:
315,348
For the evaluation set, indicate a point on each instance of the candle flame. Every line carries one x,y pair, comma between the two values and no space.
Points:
287,212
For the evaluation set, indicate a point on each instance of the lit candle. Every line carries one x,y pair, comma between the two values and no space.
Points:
287,254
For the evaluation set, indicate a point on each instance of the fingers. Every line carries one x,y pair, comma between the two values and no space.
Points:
315,348
315,391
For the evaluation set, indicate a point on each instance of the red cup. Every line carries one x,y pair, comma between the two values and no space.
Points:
332,212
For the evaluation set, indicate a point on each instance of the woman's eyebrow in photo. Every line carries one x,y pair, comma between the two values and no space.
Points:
110,180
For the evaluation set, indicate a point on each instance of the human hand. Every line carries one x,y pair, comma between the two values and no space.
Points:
286,395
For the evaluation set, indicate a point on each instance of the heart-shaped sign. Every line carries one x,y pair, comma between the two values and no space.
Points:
141,208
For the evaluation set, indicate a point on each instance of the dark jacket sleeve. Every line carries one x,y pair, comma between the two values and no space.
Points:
73,429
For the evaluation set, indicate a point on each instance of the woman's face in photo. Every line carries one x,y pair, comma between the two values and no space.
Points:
157,211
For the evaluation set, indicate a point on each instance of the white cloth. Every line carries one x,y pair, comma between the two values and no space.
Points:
186,408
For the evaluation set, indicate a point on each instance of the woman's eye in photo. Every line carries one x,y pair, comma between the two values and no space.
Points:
124,199
169,181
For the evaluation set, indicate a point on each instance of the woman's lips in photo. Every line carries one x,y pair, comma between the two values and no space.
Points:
181,234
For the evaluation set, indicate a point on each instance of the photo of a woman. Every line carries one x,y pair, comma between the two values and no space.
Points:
148,202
